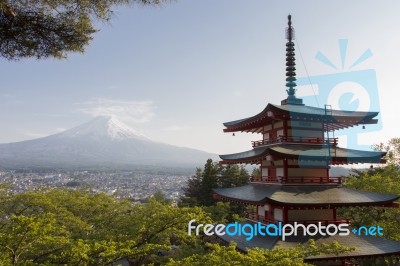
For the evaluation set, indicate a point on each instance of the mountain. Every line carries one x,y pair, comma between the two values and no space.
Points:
103,142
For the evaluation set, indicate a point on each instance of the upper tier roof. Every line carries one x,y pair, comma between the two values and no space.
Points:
304,195
333,119
305,152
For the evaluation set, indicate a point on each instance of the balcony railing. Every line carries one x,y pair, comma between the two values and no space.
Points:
258,218
294,139
265,179
298,180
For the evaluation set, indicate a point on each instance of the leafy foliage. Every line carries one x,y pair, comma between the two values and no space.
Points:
199,190
392,147
220,255
43,28
380,180
79,228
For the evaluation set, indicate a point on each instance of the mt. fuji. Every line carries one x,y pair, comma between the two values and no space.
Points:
103,127
103,142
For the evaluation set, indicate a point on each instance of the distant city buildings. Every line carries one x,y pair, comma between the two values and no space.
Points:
121,184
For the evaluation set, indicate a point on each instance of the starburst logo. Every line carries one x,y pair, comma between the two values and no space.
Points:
344,89
343,53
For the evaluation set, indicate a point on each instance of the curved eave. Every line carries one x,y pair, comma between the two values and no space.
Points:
335,154
251,124
251,156
305,152
316,111
313,196
333,119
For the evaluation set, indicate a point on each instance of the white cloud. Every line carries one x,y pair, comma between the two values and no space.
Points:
132,111
176,128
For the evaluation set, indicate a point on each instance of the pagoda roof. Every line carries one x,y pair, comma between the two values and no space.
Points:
365,246
305,152
301,195
333,119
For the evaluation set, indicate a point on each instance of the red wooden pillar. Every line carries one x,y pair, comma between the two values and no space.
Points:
285,215
285,168
285,128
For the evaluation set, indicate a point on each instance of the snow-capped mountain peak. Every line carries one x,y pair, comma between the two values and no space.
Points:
104,127
103,142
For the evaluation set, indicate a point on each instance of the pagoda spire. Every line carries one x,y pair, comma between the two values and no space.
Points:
290,66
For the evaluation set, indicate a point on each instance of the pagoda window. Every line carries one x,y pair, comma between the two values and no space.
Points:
266,136
267,127
305,133
264,172
280,172
278,214
307,172
266,163
311,215
278,124
280,133
305,129
261,210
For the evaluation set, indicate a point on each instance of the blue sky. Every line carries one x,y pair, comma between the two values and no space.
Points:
177,72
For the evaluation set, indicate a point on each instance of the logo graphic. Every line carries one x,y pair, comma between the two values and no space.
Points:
346,89
251,230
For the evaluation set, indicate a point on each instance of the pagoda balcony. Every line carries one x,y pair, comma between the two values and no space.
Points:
334,180
295,140
323,222
254,217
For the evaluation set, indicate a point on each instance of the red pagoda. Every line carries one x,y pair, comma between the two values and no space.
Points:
294,155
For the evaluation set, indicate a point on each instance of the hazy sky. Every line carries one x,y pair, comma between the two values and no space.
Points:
176,73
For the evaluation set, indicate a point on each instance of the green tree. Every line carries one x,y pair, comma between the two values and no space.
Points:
392,147
52,28
379,180
233,176
199,189
209,181
54,227
221,255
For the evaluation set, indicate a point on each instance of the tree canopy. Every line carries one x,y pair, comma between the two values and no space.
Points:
52,28
226,256
380,180
66,227
392,147
199,190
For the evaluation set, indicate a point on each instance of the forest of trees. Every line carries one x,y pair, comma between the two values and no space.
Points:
76,227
